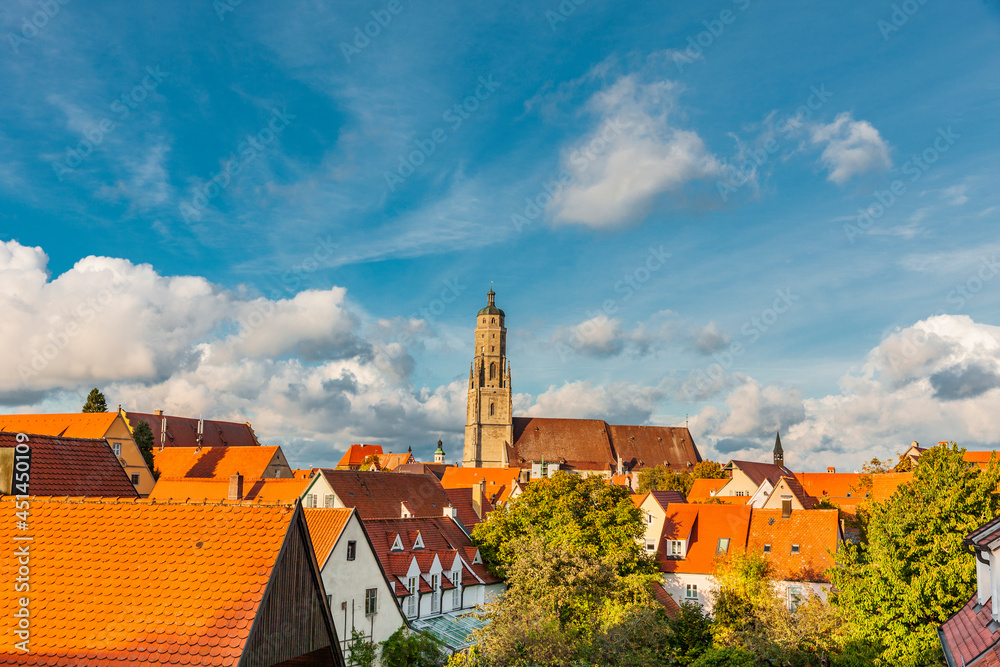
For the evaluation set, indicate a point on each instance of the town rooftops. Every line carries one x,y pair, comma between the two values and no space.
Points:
251,462
499,481
378,495
136,582
325,527
183,431
799,547
356,454
758,472
68,425
64,466
835,485
710,531
971,636
703,489
791,486
219,488
648,446
667,497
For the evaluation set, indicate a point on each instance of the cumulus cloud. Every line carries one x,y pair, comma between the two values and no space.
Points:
635,154
851,147
602,337
301,369
616,403
709,339
936,380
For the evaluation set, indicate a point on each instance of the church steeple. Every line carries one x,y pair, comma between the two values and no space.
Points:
779,453
489,426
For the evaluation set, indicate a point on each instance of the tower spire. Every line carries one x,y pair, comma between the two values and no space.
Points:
779,453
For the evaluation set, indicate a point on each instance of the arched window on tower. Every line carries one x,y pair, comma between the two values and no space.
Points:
493,320
493,371
491,409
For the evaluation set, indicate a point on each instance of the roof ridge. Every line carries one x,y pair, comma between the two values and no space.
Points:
122,500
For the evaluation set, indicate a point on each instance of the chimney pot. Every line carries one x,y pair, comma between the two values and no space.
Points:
236,487
831,469
158,413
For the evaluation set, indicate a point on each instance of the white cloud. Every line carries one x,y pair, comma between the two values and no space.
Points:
852,147
709,339
616,403
634,155
600,336
936,380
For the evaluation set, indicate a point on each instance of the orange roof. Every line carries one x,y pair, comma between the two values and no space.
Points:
116,582
70,425
499,481
980,457
325,527
885,484
704,488
830,484
178,462
356,454
815,533
638,498
217,488
392,461
703,526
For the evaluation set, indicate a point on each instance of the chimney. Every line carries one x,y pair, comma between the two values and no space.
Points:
786,508
158,413
524,476
163,432
450,511
831,469
201,432
478,494
621,465
236,487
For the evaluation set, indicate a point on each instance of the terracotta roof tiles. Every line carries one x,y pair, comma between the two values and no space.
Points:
178,462
356,454
183,431
968,635
380,494
704,526
583,443
72,467
813,532
69,425
499,481
702,489
217,488
325,527
648,446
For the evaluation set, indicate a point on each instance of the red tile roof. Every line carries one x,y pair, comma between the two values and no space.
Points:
72,467
183,431
392,461
648,446
251,462
217,488
669,604
982,458
325,527
815,532
583,444
835,485
795,489
379,495
356,454
703,526
69,425
667,497
141,583
499,481
461,500
758,472
702,489
967,635
885,484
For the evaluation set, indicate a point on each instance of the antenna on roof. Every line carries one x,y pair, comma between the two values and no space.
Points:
685,420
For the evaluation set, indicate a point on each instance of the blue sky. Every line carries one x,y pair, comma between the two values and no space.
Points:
220,159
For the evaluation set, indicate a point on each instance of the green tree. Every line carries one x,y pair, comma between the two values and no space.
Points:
95,402
690,633
731,656
914,571
662,478
143,436
708,470
587,514
410,648
363,652
565,606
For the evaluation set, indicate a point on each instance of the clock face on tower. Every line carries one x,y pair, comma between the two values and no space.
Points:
489,422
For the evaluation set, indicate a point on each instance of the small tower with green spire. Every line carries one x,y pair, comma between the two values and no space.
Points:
439,454
779,454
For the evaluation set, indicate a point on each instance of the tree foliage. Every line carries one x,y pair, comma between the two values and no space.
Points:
914,572
95,402
662,478
143,436
410,648
583,513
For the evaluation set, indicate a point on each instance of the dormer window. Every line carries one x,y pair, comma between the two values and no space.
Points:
397,544
723,547
477,559
795,548
419,542
675,548
767,548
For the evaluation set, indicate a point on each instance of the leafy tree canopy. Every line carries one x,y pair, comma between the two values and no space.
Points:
143,436
585,513
95,402
662,478
914,572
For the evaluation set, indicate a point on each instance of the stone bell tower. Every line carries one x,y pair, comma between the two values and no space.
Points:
489,424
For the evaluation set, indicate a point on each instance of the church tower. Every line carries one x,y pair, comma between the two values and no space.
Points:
779,453
489,424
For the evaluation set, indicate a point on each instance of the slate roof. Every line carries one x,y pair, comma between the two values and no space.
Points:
183,431
217,488
68,425
499,481
814,531
969,636
73,467
703,526
325,528
132,582
378,495
177,462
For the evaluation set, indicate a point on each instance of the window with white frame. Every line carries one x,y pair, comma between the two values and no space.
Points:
371,601
411,601
723,547
435,594
676,548
649,519
742,493
328,500
650,545
795,595
456,594
691,592
117,448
